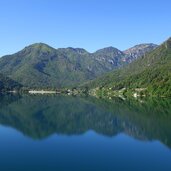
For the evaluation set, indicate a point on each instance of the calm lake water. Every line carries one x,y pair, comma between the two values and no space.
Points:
50,133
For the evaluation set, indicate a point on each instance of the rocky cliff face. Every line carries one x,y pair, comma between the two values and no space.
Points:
138,51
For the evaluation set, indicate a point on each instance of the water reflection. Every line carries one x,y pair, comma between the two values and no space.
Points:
41,116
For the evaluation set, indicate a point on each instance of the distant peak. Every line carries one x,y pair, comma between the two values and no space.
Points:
147,44
141,47
107,50
144,45
39,46
77,50
36,48
81,50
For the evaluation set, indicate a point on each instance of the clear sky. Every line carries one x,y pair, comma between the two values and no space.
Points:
90,24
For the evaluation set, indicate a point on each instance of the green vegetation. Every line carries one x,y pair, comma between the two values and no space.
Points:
42,116
149,75
41,66
7,84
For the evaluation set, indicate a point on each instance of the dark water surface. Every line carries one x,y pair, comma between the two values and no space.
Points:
54,133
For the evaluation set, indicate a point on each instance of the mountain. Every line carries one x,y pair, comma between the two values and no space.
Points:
110,57
7,84
150,74
41,66
138,51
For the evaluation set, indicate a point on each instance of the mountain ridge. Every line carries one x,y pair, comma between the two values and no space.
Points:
42,66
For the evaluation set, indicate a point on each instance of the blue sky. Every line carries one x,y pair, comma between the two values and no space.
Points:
90,24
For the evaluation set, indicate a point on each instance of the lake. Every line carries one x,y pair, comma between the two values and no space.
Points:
50,133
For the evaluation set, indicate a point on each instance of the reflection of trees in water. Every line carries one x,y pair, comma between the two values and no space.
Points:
41,116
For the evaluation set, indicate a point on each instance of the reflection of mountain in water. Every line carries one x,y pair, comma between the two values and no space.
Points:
41,116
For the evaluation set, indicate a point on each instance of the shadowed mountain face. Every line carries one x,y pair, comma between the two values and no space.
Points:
42,66
42,116
7,84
